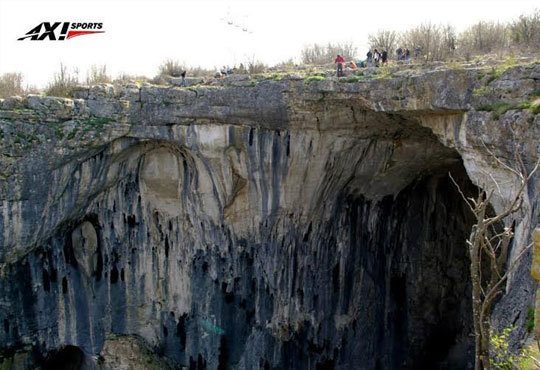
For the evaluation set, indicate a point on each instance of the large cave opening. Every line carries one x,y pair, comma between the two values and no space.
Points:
406,276
390,287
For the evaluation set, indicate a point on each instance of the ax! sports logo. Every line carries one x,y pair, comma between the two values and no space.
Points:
59,31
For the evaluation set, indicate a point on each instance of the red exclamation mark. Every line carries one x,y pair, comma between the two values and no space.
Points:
64,31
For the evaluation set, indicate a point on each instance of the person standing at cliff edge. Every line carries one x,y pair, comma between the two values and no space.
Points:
339,60
183,75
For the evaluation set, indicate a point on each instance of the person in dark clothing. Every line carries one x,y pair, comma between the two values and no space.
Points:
339,61
407,56
369,59
376,57
384,57
183,75
399,54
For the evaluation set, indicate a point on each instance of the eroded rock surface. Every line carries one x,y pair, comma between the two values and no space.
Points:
278,224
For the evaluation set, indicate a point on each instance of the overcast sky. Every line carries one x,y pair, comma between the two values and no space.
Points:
140,34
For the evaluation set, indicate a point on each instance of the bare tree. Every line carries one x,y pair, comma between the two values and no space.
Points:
525,30
383,40
319,54
483,38
63,82
488,245
97,75
11,84
436,42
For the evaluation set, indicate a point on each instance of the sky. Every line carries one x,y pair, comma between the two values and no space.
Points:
141,34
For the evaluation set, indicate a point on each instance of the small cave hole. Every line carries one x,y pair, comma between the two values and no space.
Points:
64,285
6,326
335,278
46,281
181,331
131,221
250,136
67,358
114,275
223,356
166,247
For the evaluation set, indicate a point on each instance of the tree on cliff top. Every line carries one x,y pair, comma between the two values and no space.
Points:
383,40
319,54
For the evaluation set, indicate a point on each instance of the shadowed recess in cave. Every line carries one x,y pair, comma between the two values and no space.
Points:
66,358
402,289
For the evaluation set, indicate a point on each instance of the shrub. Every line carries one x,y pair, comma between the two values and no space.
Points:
509,62
502,356
525,30
126,78
199,72
256,66
63,83
11,85
171,68
435,42
97,75
483,38
285,65
319,54
383,72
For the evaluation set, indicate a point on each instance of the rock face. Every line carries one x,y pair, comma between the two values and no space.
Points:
270,224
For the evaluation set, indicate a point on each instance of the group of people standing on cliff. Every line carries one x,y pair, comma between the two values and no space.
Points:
376,58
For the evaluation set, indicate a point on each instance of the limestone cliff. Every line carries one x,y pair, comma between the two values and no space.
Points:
257,223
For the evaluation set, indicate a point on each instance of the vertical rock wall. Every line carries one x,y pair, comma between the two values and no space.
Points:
271,256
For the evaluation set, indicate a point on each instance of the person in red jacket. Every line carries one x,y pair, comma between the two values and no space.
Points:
339,61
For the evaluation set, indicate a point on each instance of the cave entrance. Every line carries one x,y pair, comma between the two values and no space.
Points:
66,358
409,257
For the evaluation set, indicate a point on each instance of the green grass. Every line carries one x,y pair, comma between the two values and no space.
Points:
453,65
315,78
352,79
84,126
498,109
498,71
481,91
523,105
535,106
97,122
383,72
277,76
58,131
529,322
71,135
